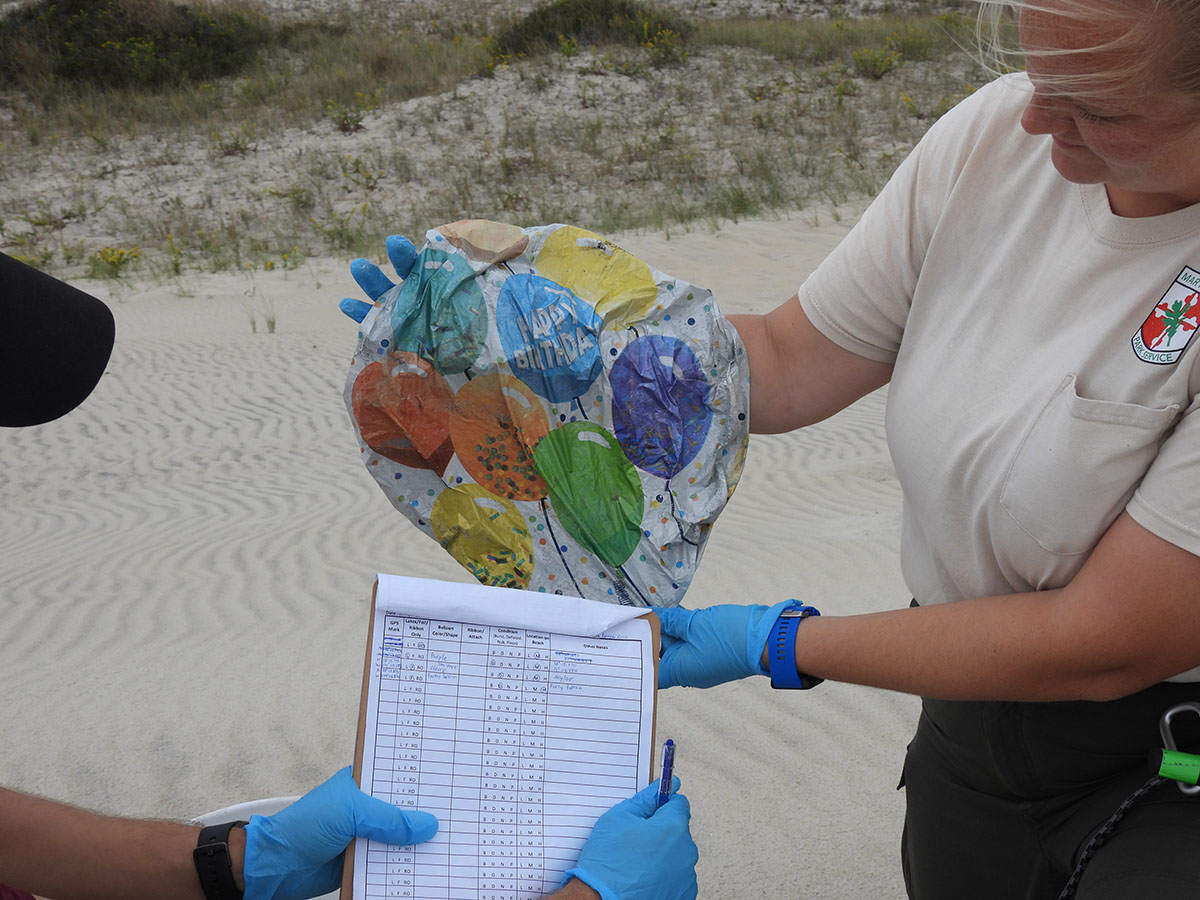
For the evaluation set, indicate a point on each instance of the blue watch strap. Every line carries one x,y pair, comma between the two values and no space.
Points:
781,651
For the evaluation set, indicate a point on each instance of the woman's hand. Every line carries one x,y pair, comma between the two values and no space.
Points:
705,647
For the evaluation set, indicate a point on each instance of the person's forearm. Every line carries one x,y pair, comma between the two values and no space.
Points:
575,890
67,853
1127,620
797,375
984,649
1025,647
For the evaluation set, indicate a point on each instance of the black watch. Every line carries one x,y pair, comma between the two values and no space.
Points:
213,865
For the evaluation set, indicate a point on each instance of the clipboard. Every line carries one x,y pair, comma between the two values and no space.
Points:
442,645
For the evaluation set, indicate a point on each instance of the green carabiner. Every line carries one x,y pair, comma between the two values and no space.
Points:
1170,762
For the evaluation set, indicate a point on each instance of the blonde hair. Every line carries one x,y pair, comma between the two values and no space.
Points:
1155,38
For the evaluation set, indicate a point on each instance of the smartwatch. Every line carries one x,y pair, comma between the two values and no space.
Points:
213,865
781,651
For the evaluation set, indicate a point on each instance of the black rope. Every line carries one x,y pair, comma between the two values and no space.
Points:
1103,834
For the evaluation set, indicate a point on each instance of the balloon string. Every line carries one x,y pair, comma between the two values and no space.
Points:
558,546
675,516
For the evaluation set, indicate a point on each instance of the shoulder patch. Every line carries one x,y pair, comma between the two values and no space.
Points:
1172,323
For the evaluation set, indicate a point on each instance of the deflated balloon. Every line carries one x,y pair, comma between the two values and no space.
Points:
557,414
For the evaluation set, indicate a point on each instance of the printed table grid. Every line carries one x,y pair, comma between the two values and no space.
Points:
494,730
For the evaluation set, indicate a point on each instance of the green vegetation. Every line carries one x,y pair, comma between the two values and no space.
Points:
822,41
608,114
110,262
587,22
131,43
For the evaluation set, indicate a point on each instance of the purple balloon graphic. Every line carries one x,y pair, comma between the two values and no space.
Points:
660,404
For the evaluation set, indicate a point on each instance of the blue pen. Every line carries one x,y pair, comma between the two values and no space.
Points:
667,769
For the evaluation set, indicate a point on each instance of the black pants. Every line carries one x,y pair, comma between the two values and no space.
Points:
1003,797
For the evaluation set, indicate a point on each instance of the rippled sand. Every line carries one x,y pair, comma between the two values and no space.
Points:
187,560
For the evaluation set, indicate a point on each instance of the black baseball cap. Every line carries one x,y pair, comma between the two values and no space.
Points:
55,341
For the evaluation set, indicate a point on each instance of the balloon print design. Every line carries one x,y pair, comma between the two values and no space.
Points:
402,409
618,284
549,336
485,534
440,313
494,426
594,490
558,415
660,404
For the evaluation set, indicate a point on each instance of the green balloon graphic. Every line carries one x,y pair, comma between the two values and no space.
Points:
594,489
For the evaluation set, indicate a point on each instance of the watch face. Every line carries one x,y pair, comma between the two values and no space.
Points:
794,613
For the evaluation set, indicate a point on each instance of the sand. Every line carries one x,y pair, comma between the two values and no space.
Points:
187,560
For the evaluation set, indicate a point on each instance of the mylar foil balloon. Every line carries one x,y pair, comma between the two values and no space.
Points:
556,413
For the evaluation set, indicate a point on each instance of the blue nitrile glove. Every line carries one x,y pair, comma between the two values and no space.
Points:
703,647
641,851
297,852
402,252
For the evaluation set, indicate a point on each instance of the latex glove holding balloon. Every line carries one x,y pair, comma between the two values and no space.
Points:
370,277
555,413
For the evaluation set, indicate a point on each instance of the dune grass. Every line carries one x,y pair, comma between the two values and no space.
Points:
320,137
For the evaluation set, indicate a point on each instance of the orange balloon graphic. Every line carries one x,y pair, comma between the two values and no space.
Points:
402,409
495,423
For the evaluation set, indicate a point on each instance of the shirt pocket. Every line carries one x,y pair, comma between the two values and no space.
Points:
1078,465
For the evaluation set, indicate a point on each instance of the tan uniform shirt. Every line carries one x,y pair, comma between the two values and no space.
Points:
1046,370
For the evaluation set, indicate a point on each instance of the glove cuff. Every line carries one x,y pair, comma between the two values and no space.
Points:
760,630
259,885
605,892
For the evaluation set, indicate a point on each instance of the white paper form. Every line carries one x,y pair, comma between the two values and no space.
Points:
516,718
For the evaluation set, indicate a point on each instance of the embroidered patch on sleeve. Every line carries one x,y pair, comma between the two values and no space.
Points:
1172,323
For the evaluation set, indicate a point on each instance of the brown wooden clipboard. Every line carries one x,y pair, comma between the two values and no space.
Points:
347,888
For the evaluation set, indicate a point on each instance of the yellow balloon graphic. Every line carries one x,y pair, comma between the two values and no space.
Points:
616,283
485,533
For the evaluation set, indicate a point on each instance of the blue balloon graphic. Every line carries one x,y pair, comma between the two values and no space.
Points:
440,313
550,337
660,404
